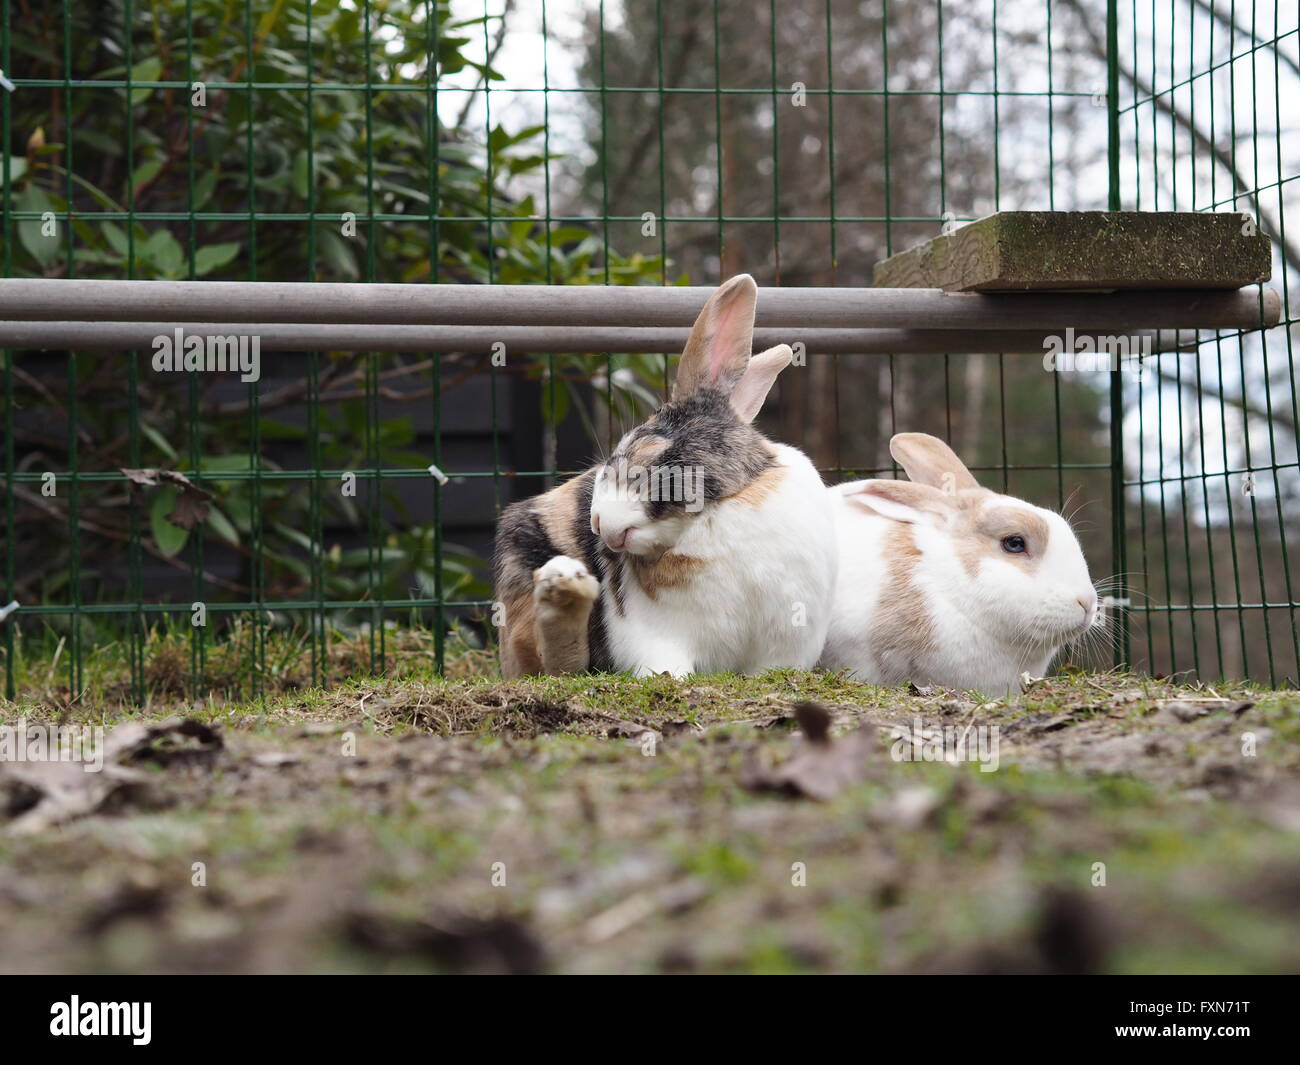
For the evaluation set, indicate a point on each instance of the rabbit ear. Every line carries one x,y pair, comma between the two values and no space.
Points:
717,351
904,501
757,381
928,460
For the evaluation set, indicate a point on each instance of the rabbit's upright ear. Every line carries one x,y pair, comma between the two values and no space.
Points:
717,351
928,460
904,501
757,381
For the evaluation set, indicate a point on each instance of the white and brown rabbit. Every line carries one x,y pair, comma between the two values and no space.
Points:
698,546
944,582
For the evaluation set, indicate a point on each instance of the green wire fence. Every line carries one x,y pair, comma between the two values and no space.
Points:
1210,475
650,142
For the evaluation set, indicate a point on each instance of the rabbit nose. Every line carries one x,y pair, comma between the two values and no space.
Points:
617,541
1088,601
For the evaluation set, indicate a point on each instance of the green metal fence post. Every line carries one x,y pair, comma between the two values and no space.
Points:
1119,564
6,250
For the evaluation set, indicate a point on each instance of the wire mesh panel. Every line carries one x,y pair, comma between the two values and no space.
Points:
339,509
1210,440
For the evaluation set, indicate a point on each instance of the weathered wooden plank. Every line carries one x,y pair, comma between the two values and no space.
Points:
1023,251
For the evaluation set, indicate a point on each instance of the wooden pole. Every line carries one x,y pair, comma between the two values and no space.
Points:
67,300
280,336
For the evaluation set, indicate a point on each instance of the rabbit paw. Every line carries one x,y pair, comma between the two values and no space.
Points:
564,584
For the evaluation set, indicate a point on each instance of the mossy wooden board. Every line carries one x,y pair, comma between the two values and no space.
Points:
1021,251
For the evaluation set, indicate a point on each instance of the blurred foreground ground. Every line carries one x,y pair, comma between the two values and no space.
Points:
602,824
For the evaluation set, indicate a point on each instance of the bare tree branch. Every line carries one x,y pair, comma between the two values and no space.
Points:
1205,391
495,47
1225,19
1222,156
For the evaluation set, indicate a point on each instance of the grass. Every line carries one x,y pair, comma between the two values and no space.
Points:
421,823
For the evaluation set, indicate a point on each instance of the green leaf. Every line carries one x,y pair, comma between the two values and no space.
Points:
203,189
164,251
116,237
17,167
396,432
169,538
45,248
159,441
267,22
301,174
213,257
146,171
221,525
339,258
145,70
240,509
297,536
569,235
499,139
225,463
97,139
521,164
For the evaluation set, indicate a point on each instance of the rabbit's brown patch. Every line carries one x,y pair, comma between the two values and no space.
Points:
669,570
557,510
902,631
645,451
987,526
760,488
519,646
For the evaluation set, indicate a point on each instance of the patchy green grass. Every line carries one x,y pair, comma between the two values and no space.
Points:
231,665
595,823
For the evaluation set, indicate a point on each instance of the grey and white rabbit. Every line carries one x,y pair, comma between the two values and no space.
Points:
732,568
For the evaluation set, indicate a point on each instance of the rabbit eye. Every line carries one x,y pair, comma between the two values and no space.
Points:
1014,545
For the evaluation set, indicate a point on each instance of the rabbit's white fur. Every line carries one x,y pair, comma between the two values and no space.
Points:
736,574
764,600
927,593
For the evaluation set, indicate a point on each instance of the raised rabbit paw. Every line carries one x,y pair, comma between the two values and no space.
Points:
564,584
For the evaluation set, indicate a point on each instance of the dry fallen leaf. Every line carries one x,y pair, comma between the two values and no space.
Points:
824,768
1185,710
781,721
172,741
191,507
453,942
628,730
1055,722
39,794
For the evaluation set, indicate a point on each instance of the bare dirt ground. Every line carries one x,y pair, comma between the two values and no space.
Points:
598,824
